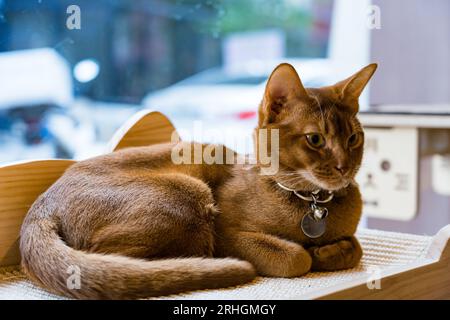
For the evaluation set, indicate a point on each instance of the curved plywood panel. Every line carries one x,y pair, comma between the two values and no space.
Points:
426,277
22,182
20,185
143,129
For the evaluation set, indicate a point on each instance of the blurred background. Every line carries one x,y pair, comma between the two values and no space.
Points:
72,72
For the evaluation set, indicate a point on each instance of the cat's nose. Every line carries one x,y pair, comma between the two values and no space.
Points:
341,169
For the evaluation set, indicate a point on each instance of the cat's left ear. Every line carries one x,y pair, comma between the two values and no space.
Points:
351,88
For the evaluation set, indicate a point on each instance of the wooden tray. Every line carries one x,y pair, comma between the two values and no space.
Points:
406,266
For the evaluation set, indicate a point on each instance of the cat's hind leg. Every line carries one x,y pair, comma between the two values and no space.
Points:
172,215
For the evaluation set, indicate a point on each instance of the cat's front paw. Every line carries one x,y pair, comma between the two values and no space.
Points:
343,254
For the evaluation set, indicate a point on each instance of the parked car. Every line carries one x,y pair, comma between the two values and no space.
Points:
35,84
222,92
225,100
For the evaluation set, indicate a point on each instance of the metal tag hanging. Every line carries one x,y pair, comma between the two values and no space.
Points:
314,223
313,228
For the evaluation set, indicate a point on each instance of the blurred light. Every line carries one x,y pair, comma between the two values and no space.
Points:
86,70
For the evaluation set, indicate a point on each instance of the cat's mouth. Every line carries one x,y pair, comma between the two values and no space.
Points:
335,184
331,183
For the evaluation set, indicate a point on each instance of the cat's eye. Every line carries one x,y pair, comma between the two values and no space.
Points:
315,140
354,140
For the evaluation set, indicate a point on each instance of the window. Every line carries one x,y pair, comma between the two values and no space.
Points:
64,78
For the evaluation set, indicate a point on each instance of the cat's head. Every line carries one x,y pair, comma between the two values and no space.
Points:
320,138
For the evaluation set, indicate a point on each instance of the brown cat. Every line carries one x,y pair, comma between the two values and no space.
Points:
133,224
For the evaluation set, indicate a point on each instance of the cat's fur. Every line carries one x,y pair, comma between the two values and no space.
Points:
135,225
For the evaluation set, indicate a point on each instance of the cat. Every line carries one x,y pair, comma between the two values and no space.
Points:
132,224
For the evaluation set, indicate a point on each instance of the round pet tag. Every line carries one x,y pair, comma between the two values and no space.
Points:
313,228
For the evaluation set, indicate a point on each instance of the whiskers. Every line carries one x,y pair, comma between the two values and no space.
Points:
296,180
306,180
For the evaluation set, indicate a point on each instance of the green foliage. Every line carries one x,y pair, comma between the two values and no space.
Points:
295,18
226,16
239,15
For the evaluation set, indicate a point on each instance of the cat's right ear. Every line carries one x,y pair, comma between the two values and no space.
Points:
283,85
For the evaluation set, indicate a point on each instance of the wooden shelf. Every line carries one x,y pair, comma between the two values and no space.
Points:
417,116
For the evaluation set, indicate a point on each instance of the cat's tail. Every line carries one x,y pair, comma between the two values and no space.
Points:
78,274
